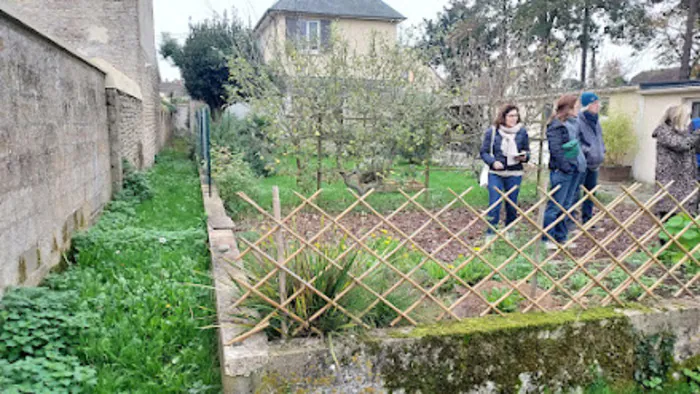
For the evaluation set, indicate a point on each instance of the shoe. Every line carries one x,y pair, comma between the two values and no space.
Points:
549,245
571,246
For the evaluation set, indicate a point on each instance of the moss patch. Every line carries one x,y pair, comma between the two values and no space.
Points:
514,321
543,352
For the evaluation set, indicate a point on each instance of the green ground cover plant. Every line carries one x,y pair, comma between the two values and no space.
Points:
127,314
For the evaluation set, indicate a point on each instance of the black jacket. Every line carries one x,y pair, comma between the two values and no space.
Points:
557,136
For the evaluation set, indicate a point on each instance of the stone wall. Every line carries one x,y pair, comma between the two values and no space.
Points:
120,32
125,116
68,122
54,150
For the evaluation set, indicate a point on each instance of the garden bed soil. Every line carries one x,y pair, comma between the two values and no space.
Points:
433,235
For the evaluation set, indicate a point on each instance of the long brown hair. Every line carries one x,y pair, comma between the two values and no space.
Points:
564,104
503,112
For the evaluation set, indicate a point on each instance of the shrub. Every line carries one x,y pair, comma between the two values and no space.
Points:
619,137
247,137
232,175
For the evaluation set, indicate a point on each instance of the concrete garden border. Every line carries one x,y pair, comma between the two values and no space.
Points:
516,353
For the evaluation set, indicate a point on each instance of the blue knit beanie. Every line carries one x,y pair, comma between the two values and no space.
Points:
587,98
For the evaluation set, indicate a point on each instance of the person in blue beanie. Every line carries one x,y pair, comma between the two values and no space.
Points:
593,147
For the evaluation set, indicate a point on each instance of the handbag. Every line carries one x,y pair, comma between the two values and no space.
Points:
484,176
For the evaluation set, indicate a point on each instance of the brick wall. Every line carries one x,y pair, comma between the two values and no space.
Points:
124,122
54,150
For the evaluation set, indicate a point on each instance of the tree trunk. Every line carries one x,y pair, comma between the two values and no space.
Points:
684,73
584,41
594,67
504,48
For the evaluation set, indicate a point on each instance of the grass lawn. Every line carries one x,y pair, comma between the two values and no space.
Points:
131,286
336,197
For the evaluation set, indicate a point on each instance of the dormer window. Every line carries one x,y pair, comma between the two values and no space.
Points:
310,35
313,35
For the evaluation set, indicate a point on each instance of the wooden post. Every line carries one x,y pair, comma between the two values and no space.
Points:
279,241
319,154
543,207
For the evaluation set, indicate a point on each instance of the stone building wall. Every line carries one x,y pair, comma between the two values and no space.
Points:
120,32
54,150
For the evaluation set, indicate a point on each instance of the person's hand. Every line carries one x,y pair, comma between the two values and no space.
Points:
498,166
521,158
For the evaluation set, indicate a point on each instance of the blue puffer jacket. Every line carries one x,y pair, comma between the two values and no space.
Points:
557,136
591,137
521,138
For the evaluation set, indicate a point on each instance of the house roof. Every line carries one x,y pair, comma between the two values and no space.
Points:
655,76
360,9
670,85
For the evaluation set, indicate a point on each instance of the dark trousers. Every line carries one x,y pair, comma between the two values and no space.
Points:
564,196
588,182
504,184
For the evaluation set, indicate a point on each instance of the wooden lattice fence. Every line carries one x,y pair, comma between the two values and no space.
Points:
312,271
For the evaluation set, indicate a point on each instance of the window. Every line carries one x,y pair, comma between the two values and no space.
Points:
312,35
696,109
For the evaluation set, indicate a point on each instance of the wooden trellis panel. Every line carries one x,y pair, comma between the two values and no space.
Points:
603,270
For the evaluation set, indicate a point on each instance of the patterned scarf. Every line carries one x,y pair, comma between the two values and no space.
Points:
508,144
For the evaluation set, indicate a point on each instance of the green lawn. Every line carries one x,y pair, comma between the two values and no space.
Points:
138,283
336,197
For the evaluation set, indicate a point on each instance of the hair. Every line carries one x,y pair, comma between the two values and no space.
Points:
676,116
562,107
503,112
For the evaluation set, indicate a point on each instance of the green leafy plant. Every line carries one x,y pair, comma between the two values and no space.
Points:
509,304
135,184
654,358
473,272
139,274
688,240
620,139
40,331
578,281
693,376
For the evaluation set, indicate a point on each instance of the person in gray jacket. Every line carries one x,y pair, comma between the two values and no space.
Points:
592,145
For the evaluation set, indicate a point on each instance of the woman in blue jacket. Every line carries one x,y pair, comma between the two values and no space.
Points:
567,164
505,148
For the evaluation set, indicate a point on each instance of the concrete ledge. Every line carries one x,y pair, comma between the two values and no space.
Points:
115,79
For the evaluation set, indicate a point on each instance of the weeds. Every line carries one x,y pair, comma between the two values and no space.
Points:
138,273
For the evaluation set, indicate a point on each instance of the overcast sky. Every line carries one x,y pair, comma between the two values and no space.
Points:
173,16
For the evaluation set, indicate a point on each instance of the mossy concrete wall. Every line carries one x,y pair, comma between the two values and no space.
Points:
517,353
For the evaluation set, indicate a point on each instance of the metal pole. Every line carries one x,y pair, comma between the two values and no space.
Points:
208,128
